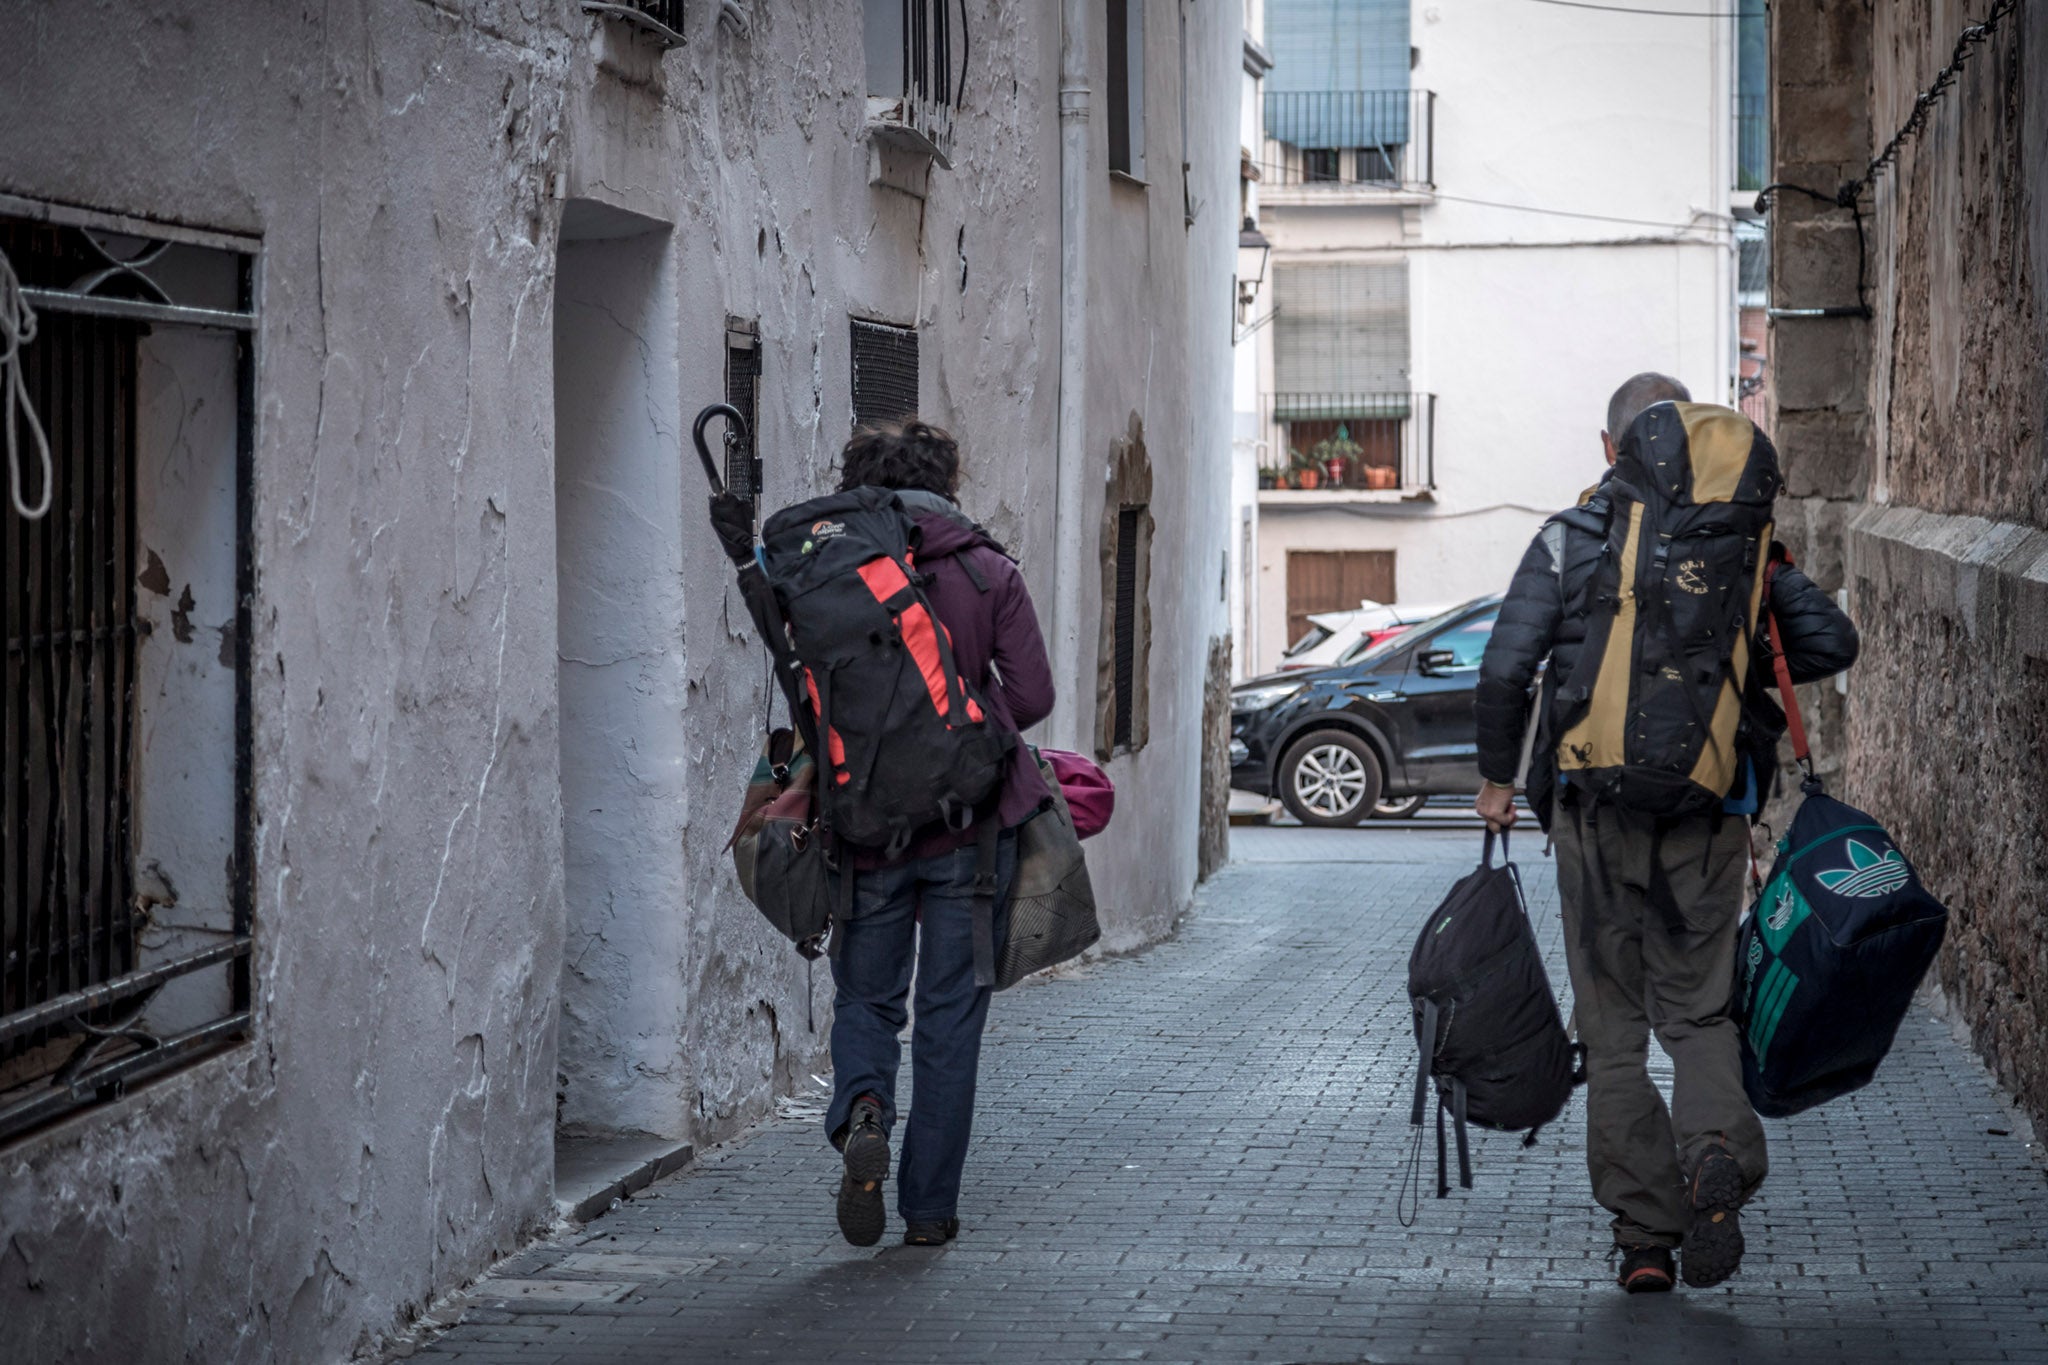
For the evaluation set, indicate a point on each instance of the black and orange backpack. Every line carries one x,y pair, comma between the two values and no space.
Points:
904,743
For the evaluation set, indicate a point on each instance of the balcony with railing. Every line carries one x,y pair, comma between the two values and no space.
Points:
1357,447
1325,146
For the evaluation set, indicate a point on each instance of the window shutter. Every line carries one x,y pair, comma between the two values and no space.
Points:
1341,328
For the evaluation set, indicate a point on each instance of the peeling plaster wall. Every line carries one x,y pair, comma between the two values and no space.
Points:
386,1134
1159,348
408,167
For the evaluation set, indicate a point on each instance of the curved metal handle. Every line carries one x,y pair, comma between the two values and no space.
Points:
736,425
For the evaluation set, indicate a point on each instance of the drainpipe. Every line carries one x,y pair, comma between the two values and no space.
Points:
1071,560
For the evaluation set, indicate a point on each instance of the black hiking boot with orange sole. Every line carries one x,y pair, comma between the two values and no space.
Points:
1713,1241
1646,1269
862,1215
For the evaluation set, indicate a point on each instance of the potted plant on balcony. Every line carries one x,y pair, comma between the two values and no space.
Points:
1307,471
1337,456
1269,477
1381,477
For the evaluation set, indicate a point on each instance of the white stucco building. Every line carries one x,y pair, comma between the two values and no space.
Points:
383,326
1483,217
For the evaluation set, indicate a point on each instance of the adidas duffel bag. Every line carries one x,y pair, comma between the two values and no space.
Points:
1829,958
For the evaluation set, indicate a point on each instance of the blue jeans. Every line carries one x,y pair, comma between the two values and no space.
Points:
872,972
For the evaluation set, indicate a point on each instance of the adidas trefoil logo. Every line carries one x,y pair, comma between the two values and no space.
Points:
1868,874
1781,913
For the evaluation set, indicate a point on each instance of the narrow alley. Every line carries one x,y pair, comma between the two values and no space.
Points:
1194,1153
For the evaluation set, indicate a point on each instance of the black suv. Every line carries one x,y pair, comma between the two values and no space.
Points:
1376,734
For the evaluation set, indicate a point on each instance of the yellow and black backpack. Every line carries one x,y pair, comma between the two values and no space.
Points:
1649,719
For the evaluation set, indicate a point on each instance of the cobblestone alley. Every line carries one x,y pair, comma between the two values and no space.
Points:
1193,1155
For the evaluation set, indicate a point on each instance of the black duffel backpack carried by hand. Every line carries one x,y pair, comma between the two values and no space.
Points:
1487,1028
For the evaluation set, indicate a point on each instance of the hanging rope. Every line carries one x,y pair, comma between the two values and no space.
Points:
18,329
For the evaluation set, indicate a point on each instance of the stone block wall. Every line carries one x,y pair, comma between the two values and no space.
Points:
1917,475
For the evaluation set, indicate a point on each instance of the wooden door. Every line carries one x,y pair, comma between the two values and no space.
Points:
1334,580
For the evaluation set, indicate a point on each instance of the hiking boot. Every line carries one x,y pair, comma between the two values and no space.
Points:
935,1233
1713,1240
1646,1269
866,1154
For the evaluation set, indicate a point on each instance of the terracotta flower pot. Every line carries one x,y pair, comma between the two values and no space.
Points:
1307,477
1381,477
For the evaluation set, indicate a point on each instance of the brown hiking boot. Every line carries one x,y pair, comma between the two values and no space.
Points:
1713,1240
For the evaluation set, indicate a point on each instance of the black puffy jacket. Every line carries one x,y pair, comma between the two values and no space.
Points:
1544,616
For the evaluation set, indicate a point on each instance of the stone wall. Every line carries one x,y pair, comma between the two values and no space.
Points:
1916,450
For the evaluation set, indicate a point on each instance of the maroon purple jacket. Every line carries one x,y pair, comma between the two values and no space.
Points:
996,644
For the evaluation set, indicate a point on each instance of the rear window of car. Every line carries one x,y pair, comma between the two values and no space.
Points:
1316,635
1364,650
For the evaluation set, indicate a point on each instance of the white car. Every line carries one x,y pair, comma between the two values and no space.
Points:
1335,635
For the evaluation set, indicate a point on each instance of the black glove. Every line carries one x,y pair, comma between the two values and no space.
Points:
732,517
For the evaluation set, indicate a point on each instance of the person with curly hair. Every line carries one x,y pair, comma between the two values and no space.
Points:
914,914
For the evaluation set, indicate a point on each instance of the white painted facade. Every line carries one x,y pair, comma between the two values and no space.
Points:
1522,322
505,698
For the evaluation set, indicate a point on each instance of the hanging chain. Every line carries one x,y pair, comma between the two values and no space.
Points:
1967,42
1970,40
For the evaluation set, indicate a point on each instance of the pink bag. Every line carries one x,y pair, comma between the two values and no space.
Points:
1090,797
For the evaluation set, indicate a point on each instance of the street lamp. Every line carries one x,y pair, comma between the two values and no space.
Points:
1252,252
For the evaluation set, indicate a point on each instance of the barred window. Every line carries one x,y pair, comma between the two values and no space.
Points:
125,915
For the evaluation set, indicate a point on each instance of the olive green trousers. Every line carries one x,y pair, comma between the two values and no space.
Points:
1650,913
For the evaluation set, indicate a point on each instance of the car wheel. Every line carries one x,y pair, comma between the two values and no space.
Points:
1398,807
1330,779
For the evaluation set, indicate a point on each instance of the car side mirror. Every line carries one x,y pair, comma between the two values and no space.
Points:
1435,663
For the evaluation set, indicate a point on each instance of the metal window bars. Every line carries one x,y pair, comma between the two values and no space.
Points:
1366,140
1330,443
918,114
78,973
661,20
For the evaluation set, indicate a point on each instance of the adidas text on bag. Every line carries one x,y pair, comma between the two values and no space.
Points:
905,743
1650,717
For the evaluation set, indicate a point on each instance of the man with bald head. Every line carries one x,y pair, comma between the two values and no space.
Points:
1651,897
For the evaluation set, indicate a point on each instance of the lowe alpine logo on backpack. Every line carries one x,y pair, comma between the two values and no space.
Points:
907,744
1649,718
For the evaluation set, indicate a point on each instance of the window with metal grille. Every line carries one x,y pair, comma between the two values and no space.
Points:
1126,98
911,78
742,385
125,832
884,373
1130,526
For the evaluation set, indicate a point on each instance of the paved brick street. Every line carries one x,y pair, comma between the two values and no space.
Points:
1193,1155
